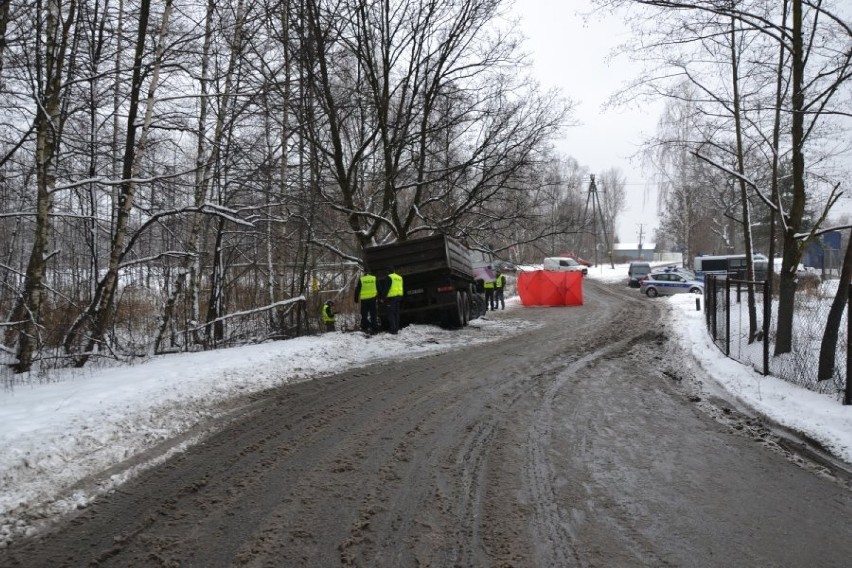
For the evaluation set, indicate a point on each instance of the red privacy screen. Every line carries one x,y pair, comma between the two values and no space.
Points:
546,288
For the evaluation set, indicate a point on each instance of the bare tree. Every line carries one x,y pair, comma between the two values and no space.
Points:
200,162
694,202
4,26
814,64
438,132
546,220
98,315
611,184
735,46
53,54
828,346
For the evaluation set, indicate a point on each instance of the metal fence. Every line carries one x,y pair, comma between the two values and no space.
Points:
728,323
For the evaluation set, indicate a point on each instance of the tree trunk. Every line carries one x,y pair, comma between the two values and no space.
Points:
221,138
792,246
215,329
191,265
48,126
169,311
4,24
746,209
99,313
776,143
828,348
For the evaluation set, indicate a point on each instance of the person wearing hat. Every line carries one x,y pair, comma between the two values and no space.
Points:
328,315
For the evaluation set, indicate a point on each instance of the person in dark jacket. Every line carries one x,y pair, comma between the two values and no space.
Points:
366,293
328,315
499,284
391,292
490,304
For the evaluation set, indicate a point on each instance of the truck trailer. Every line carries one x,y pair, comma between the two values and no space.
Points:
439,282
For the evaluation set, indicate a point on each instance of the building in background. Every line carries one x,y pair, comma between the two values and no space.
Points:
628,252
824,254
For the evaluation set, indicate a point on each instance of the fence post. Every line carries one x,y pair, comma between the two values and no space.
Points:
727,317
767,316
847,395
712,315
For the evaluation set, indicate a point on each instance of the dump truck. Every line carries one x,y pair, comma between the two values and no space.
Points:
440,285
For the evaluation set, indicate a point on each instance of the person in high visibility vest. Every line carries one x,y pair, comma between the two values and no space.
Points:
392,291
499,284
489,293
328,315
366,293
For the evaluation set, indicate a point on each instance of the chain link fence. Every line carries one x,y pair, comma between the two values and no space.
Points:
729,324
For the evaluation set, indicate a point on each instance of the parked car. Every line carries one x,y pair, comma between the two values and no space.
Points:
563,264
687,273
579,259
806,276
668,283
504,266
636,271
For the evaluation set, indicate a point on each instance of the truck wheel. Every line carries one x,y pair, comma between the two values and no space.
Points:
477,306
456,315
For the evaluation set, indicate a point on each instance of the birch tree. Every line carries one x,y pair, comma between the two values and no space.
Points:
56,36
91,327
693,212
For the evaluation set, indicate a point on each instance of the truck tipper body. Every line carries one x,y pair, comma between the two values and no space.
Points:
439,282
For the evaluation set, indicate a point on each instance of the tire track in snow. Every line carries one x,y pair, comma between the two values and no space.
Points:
551,521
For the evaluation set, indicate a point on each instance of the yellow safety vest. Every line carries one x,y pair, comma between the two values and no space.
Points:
499,282
396,285
368,287
327,317
489,285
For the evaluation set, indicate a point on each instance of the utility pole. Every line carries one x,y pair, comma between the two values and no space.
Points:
641,236
593,202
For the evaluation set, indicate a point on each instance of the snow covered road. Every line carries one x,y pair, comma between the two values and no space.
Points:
585,440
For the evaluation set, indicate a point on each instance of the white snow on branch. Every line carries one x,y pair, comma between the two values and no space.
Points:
249,312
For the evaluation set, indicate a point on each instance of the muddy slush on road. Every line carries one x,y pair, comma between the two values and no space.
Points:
588,439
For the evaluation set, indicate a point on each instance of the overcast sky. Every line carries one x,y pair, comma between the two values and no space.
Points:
571,53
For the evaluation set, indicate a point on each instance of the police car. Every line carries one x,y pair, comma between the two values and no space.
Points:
667,283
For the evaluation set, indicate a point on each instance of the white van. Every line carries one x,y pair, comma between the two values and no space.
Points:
563,264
